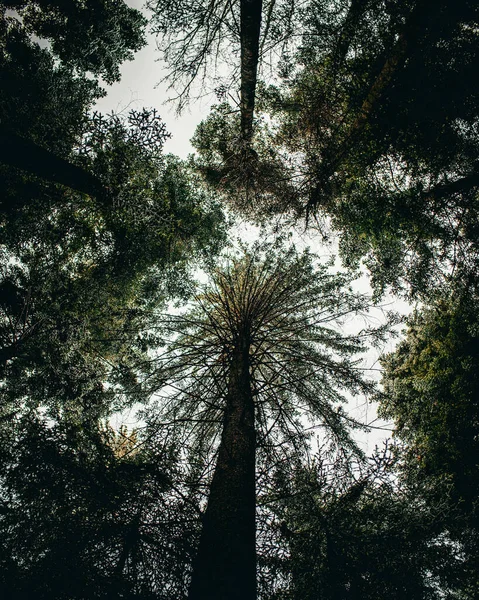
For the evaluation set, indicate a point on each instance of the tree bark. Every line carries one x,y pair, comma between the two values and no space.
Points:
355,12
250,31
225,567
21,153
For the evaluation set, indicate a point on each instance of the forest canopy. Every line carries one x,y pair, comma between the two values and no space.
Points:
175,402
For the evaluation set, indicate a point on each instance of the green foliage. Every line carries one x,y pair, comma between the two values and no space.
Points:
88,35
430,390
351,136
253,179
290,309
347,531
84,515
79,273
156,211
89,513
82,275
42,100
373,125
396,173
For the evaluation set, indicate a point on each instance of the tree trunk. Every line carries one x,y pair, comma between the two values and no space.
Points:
333,155
225,567
250,31
464,184
21,153
405,44
348,30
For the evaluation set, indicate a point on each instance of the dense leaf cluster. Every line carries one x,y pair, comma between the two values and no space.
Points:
80,275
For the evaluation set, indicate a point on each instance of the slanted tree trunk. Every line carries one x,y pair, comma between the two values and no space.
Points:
348,30
250,26
464,184
404,45
24,154
225,567
333,155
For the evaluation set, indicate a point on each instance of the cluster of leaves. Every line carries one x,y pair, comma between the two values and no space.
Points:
87,35
430,389
345,529
353,139
396,173
79,272
82,516
87,513
254,182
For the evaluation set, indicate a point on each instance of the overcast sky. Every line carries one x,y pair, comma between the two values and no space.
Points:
140,87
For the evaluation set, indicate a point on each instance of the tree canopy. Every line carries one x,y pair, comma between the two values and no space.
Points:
80,276
430,390
174,408
360,145
260,351
93,36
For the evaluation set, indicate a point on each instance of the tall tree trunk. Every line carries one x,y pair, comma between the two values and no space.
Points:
225,567
405,44
22,153
250,30
348,30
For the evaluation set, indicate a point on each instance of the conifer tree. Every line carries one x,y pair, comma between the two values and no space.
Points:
260,351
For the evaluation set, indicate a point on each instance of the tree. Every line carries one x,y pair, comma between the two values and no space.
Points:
256,184
93,37
430,391
397,176
79,282
358,145
347,529
79,287
90,513
196,38
59,247
81,274
260,348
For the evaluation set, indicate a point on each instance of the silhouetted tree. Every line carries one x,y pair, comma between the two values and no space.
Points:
260,349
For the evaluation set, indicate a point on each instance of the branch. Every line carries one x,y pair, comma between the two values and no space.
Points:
24,154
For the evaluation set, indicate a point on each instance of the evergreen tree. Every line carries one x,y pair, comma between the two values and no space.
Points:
81,274
430,391
91,38
260,349
90,513
94,36
353,140
348,529
194,38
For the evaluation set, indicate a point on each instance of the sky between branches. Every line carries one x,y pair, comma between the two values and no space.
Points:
141,86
